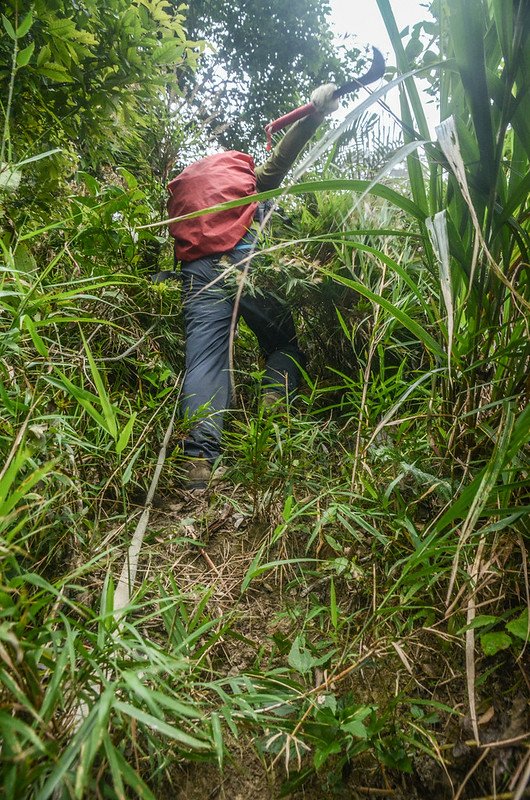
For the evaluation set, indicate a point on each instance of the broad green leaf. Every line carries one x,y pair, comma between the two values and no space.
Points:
39,156
10,723
336,185
177,706
67,757
24,55
467,23
25,25
399,270
115,766
493,643
36,338
56,72
9,501
217,736
299,657
44,55
412,113
127,475
81,396
52,695
169,52
403,64
120,768
251,572
9,28
24,260
519,626
323,752
521,433
125,434
480,621
254,570
356,728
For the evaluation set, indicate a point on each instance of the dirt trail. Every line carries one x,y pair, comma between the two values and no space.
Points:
231,541
207,544
222,541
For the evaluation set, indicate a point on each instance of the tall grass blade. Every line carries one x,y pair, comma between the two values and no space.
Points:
414,327
468,32
485,487
411,116
108,409
448,139
437,228
397,158
161,726
336,185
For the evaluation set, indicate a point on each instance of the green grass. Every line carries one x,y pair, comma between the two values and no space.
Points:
367,607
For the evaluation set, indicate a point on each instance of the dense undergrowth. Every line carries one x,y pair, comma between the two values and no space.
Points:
347,607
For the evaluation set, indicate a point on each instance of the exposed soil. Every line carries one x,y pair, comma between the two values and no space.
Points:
207,543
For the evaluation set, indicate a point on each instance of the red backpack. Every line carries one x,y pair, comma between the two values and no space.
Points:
215,179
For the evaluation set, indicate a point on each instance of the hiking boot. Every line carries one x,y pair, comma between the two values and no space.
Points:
198,473
272,399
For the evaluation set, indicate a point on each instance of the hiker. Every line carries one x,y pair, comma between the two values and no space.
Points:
205,246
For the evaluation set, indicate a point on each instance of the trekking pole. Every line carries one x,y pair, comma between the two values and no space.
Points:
376,71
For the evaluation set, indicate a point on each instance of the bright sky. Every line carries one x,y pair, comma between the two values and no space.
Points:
362,19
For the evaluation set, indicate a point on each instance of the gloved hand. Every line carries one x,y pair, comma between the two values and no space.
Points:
323,100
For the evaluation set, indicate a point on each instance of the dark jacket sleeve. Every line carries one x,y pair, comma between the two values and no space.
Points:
270,174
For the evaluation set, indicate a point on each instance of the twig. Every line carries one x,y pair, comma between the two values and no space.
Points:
499,743
526,586
72,259
506,742
209,561
503,796
520,789
323,686
470,773
374,341
470,640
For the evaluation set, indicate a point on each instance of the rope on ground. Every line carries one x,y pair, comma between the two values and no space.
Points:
130,349
125,585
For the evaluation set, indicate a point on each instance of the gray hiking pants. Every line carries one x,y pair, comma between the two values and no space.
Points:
208,317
